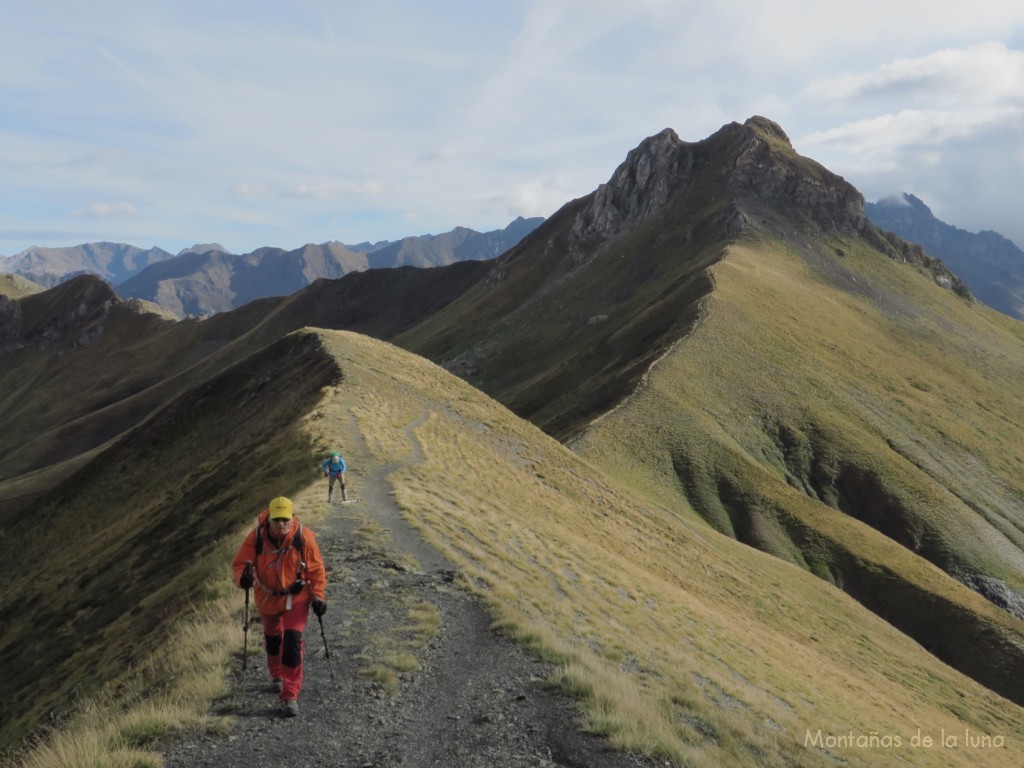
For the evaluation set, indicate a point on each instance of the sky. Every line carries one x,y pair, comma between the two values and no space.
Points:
252,123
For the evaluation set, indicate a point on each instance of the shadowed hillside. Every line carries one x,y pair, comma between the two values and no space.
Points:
81,367
124,536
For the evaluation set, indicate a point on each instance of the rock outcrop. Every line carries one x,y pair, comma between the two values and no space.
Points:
751,180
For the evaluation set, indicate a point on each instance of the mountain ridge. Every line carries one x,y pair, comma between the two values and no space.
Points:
114,262
205,278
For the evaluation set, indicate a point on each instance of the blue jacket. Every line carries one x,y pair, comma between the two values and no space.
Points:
333,469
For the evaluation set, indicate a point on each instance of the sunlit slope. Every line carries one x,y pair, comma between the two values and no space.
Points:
16,286
680,640
844,413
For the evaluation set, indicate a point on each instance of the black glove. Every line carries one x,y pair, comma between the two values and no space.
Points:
246,580
319,606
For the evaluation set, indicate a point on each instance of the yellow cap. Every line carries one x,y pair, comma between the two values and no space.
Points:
280,507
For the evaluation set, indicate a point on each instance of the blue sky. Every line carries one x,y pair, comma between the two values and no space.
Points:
280,123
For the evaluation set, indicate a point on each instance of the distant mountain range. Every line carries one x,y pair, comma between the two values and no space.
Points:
205,279
114,262
991,265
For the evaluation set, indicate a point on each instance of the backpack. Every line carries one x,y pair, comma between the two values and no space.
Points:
296,542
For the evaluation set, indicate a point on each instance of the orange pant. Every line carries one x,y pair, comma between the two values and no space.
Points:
282,633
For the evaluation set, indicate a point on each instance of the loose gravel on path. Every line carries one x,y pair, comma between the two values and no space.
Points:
474,699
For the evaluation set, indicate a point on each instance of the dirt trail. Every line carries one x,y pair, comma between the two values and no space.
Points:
475,698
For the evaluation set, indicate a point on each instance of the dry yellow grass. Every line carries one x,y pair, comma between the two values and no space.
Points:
681,642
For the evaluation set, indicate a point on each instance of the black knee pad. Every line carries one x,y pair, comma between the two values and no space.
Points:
273,644
291,655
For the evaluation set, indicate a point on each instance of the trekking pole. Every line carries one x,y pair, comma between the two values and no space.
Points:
245,633
327,651
245,622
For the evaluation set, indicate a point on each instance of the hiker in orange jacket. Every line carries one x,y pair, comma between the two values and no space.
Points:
281,559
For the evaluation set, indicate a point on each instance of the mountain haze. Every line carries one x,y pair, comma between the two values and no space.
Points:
991,265
461,244
114,262
206,278
792,508
215,281
202,284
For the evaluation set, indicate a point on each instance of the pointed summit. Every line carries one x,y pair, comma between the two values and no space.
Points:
639,187
767,128
744,179
742,176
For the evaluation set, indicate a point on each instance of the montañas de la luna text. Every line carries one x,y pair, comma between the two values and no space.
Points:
967,739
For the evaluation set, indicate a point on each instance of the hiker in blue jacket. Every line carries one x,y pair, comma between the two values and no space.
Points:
334,468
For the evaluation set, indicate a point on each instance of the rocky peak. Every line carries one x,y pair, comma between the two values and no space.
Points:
746,178
767,128
769,179
751,168
640,186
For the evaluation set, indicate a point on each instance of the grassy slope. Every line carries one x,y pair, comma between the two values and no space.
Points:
680,640
16,286
110,559
874,392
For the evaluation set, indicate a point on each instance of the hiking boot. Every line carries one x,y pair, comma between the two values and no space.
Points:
275,685
291,708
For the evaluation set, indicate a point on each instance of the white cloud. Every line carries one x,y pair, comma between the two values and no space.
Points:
879,137
109,210
537,197
333,190
251,190
440,155
325,121
982,73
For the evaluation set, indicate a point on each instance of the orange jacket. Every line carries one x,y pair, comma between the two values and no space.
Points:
279,565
